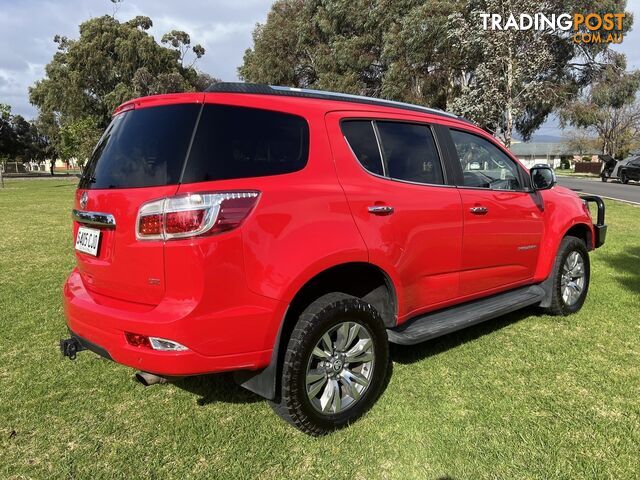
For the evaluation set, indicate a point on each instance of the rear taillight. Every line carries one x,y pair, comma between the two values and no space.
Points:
193,214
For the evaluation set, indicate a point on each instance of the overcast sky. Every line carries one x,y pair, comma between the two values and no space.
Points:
223,27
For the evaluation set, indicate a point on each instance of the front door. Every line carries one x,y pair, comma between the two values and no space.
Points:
503,222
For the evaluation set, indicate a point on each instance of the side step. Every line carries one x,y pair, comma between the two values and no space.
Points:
442,322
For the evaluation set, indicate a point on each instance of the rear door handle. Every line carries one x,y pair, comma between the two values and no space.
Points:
479,210
380,209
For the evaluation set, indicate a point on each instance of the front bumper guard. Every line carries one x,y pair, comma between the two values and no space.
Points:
600,228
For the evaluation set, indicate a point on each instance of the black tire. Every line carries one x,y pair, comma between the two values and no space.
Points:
604,179
623,178
294,405
558,305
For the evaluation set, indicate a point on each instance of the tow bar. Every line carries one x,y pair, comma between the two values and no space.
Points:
70,346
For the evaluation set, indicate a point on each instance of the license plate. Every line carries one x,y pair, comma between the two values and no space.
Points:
87,240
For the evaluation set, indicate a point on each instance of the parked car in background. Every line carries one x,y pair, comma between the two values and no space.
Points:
289,235
611,168
630,170
608,166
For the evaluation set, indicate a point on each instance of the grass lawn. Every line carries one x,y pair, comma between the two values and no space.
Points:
525,396
570,173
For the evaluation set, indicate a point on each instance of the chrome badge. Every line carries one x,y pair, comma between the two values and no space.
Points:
83,200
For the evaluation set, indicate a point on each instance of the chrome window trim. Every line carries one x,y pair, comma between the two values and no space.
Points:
488,189
385,176
94,218
376,134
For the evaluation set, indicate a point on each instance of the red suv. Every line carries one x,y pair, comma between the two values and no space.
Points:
288,235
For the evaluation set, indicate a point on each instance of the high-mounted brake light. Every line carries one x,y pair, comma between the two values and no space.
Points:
193,214
124,108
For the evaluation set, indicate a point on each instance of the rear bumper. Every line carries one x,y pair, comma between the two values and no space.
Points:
103,326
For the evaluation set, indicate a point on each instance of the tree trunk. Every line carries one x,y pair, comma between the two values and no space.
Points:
508,127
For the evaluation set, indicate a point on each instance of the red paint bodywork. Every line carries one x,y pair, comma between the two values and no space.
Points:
224,296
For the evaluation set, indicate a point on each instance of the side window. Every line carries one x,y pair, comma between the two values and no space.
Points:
410,152
240,142
483,164
363,143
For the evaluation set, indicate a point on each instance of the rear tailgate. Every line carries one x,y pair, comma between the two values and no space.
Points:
139,159
124,268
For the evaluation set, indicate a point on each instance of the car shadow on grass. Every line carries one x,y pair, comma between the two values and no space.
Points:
627,266
216,388
407,354
222,388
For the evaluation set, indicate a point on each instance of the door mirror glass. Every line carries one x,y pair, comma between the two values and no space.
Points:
543,177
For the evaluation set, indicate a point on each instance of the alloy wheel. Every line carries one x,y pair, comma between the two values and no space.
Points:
573,278
340,368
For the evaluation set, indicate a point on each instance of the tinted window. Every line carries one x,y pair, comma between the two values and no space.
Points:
238,142
410,152
142,148
483,164
362,140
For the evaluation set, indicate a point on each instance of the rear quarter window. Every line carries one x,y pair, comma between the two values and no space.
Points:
239,142
362,140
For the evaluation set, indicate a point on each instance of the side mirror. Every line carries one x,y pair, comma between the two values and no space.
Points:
542,177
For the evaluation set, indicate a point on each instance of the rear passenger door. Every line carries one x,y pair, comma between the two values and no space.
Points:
396,186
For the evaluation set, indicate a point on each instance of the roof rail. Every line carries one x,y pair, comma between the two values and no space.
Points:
263,89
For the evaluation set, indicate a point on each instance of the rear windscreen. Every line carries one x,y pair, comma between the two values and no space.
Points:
239,142
147,147
142,148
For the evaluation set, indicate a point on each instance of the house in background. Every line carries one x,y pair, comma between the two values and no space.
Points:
549,153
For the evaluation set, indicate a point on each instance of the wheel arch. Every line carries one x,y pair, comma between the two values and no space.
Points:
360,279
583,232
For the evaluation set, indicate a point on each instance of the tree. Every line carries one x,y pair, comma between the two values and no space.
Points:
109,63
20,140
390,49
582,142
77,140
609,109
5,113
23,132
181,43
421,58
7,135
431,52
515,78
279,55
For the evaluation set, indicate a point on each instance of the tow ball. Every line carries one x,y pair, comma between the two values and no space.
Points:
70,346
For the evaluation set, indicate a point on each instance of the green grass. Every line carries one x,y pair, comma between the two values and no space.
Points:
570,173
526,396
